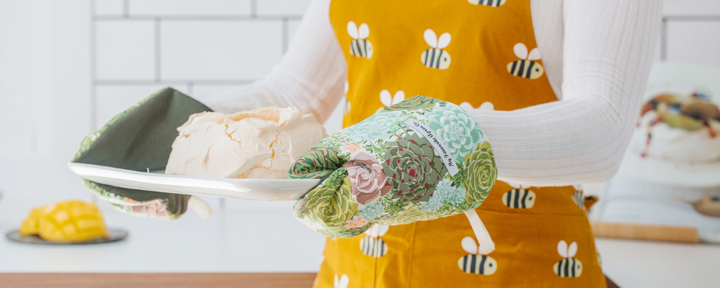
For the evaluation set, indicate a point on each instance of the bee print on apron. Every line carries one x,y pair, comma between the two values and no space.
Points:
360,46
519,198
578,196
372,245
568,266
474,263
436,57
491,3
388,99
526,67
341,281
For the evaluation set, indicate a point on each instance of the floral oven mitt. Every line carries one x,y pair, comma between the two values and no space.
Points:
420,159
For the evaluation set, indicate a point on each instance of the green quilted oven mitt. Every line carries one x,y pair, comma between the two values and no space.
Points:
420,159
140,138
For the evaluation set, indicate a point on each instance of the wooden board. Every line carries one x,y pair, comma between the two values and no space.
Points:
164,280
157,280
645,232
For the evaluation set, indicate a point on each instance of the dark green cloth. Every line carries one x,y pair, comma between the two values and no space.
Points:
139,139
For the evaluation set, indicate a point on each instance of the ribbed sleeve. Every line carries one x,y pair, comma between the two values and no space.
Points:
607,52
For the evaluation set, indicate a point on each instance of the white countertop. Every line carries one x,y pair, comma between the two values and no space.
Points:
271,240
260,241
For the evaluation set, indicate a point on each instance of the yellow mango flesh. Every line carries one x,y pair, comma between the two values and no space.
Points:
31,225
68,221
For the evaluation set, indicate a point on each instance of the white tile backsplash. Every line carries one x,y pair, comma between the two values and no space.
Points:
189,7
219,49
125,50
17,131
201,92
109,7
111,100
696,42
282,7
691,7
292,28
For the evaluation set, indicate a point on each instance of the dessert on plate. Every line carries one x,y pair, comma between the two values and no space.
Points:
260,143
679,128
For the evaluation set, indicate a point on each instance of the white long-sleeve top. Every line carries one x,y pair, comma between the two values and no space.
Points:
597,56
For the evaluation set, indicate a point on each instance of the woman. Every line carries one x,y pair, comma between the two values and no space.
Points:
561,119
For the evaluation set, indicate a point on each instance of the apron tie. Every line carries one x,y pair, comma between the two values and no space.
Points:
486,244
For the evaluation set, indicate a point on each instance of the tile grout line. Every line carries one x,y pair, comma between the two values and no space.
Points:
157,50
93,73
663,39
285,32
253,9
698,18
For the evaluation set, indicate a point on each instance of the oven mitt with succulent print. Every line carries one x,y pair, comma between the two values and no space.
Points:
420,159
140,139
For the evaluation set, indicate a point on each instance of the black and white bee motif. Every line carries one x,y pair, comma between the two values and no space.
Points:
568,266
360,46
341,281
491,3
372,245
519,198
578,196
526,67
436,57
388,99
474,262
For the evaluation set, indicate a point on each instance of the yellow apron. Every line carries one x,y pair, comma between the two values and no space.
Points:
473,51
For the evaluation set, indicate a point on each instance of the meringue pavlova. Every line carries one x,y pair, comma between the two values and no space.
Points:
679,128
261,143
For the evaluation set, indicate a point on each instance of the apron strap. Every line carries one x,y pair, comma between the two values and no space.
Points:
486,244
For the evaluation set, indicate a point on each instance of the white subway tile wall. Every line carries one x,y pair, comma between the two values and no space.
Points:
219,50
111,100
282,7
189,7
691,7
694,41
200,47
125,50
109,7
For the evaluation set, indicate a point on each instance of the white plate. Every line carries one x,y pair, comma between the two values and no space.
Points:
249,189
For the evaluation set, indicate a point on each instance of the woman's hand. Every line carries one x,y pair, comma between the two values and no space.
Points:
420,159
